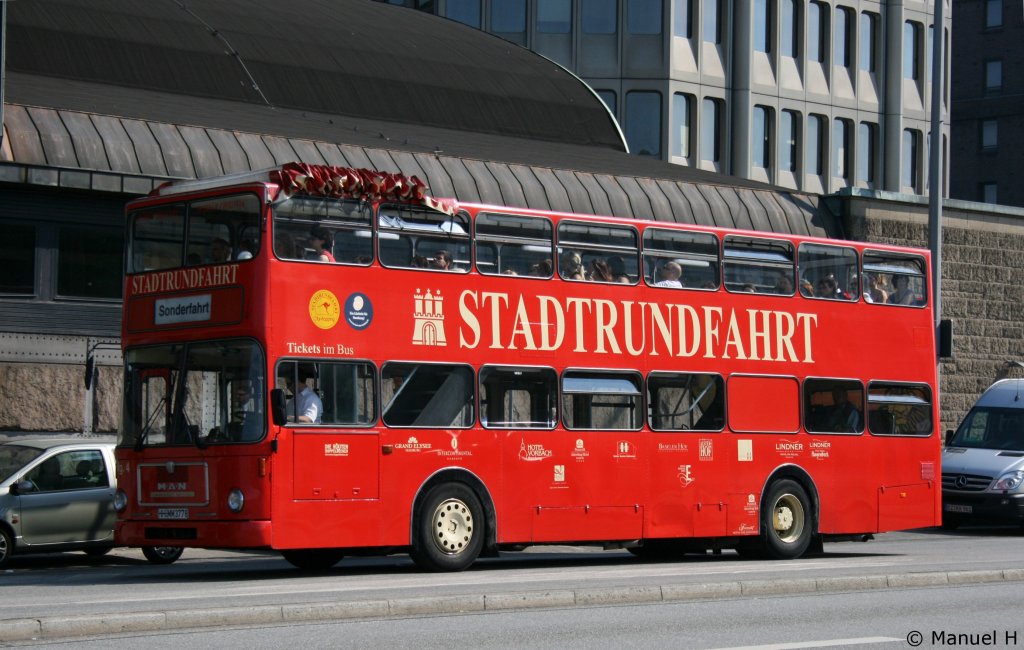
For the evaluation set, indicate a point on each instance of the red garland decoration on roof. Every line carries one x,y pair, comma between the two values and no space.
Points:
352,183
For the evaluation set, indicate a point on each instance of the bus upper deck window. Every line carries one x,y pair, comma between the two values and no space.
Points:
895,279
681,260
757,265
597,252
828,272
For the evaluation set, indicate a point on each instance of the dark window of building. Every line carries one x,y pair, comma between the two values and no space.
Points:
599,16
464,11
841,148
711,130
608,97
18,249
993,75
987,193
993,13
815,144
89,262
762,26
508,16
817,30
789,25
842,52
683,18
789,148
908,178
643,122
554,16
643,16
911,50
682,116
868,37
989,135
867,137
711,26
761,137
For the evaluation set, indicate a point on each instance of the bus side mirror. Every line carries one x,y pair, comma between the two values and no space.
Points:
278,406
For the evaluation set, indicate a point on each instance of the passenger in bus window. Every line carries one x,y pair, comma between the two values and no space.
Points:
618,269
571,266
783,285
541,269
828,287
599,271
246,249
442,260
321,241
903,295
220,250
670,275
843,417
284,244
873,291
806,287
308,407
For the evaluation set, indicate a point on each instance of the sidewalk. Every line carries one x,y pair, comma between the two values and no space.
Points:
63,627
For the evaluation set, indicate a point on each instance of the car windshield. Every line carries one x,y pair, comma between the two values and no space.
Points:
14,457
991,428
194,394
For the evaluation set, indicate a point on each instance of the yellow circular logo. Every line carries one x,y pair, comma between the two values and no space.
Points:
324,309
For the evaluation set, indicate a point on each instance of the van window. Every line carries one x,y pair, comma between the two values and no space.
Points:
991,428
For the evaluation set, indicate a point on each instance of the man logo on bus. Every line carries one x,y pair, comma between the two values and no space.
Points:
428,327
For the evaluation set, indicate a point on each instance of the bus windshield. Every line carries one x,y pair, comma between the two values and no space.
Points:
194,394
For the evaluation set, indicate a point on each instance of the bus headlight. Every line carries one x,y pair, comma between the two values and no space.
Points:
236,500
120,500
1010,480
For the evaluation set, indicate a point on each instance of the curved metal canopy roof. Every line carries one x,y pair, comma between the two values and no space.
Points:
118,94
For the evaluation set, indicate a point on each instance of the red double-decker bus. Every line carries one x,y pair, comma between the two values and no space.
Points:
326,361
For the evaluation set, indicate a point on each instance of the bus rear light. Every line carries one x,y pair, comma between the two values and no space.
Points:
236,500
120,500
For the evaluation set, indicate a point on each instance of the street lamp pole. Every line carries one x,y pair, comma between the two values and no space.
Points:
935,166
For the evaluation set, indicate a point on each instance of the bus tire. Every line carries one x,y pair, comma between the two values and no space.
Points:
787,520
313,559
449,529
162,554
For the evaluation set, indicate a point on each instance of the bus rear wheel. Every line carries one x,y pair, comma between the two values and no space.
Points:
787,521
313,559
449,529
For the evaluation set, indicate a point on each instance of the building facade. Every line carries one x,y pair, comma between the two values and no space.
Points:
813,95
987,108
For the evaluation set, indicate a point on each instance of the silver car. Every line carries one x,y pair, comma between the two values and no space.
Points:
55,495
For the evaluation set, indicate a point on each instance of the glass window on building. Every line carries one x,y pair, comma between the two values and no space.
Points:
762,26
817,28
643,16
761,138
911,50
842,52
682,24
815,144
464,11
508,16
987,193
711,130
789,28
908,170
868,37
841,148
989,135
18,247
599,16
711,21
89,262
993,75
682,120
993,13
643,122
789,149
554,16
867,134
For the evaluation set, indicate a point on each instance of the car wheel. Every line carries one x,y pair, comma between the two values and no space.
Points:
162,554
6,548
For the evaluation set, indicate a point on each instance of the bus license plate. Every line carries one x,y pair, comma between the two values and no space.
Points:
172,513
956,507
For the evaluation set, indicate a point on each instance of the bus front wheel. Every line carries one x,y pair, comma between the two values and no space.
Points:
162,554
449,533
787,520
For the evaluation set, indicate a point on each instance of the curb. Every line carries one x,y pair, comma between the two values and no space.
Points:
31,629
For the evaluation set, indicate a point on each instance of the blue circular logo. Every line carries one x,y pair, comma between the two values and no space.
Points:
358,311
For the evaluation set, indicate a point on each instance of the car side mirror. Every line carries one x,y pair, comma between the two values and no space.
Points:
949,436
278,406
22,486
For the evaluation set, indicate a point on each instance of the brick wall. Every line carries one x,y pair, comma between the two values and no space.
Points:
982,283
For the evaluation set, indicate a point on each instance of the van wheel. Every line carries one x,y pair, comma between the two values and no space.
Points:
6,548
449,529
162,554
787,520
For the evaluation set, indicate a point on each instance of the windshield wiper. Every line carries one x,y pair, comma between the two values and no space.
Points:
140,442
